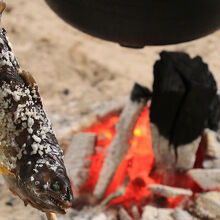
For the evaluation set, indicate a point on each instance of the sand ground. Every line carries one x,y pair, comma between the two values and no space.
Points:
64,60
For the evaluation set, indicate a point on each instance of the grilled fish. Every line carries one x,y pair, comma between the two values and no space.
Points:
31,160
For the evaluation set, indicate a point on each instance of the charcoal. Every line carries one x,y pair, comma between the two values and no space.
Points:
183,91
140,92
164,154
82,146
180,214
135,212
214,114
212,153
168,191
152,213
123,214
168,93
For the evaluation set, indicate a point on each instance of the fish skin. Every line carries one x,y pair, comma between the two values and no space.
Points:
28,146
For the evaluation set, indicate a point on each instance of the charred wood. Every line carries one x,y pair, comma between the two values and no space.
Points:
123,214
207,179
140,92
120,144
214,114
135,212
168,191
180,214
212,154
182,94
183,91
152,213
207,206
164,153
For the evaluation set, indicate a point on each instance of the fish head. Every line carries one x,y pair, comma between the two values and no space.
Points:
45,185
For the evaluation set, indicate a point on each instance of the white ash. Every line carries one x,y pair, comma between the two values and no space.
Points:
207,206
152,213
169,191
180,214
207,179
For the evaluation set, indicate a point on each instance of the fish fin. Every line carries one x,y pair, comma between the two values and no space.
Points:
28,78
5,171
25,202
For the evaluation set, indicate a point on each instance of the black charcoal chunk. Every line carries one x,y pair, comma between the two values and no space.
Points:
214,114
183,92
168,92
140,92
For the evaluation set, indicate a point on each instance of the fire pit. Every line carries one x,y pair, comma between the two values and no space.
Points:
156,157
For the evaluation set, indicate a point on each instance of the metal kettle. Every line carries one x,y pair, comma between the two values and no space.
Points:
136,23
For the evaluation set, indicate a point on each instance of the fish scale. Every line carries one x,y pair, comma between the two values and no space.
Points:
24,125
30,156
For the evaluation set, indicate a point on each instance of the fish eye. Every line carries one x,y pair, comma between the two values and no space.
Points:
56,186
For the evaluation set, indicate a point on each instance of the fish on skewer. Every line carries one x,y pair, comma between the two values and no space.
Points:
31,160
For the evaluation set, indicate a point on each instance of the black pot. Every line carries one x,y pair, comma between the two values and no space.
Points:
137,23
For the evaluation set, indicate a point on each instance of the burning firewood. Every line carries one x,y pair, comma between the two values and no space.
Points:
183,91
120,144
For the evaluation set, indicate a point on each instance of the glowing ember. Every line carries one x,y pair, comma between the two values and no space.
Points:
136,166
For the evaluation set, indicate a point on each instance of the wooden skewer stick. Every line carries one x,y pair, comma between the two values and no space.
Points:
2,6
51,216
